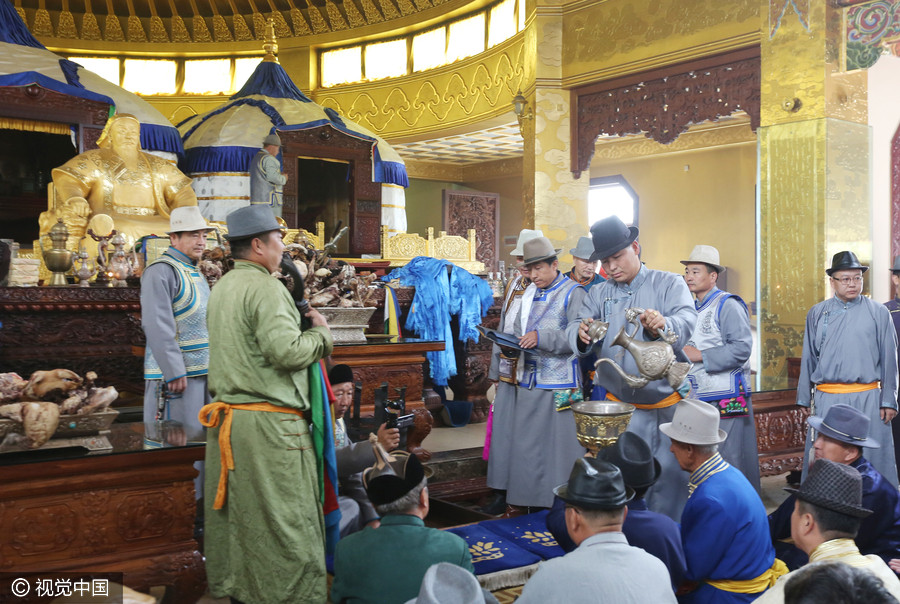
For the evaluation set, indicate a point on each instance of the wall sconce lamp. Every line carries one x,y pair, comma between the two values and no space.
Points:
522,110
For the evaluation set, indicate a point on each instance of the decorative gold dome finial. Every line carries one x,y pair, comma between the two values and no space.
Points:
271,45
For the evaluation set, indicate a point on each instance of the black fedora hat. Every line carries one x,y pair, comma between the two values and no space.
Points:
633,456
595,484
845,261
611,235
846,424
833,486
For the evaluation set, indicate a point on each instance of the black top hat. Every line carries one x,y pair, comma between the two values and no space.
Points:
387,482
250,221
595,484
844,261
340,374
846,424
611,235
632,455
833,486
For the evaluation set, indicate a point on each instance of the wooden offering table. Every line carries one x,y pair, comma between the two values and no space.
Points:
126,510
397,361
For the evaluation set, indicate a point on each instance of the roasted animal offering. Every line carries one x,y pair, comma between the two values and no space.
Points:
47,397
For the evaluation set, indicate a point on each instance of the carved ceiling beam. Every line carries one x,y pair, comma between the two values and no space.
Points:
663,103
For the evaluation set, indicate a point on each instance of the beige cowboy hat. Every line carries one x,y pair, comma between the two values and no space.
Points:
525,235
694,423
186,219
706,254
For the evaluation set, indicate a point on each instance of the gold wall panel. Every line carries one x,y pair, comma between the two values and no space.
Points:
489,170
610,38
703,136
792,233
814,202
470,90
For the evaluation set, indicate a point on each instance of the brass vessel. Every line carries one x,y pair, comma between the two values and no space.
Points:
58,259
655,360
598,424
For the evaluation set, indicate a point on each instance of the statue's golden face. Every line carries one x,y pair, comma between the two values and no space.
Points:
125,134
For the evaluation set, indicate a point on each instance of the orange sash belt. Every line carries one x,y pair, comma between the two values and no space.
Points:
209,417
666,402
833,388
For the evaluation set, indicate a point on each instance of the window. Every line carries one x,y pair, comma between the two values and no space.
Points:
612,196
146,76
108,69
465,38
342,66
429,50
243,69
386,60
503,22
210,76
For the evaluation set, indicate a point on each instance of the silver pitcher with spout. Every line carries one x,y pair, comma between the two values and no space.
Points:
655,360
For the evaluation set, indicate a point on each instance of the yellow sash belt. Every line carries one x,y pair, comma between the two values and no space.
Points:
834,388
752,586
666,402
209,417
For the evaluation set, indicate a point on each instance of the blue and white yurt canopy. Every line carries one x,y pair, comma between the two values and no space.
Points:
24,61
220,144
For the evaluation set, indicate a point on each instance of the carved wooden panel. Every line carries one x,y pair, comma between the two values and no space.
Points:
82,329
780,431
367,232
663,103
38,103
289,209
464,210
131,513
326,142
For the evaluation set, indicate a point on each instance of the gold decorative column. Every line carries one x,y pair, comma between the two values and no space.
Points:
814,197
558,201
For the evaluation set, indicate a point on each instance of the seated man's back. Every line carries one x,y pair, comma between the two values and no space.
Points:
385,565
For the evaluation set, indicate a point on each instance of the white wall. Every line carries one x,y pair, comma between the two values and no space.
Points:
884,118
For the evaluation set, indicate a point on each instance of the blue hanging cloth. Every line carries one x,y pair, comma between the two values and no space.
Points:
438,297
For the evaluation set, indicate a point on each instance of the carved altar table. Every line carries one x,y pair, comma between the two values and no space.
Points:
126,510
78,328
397,361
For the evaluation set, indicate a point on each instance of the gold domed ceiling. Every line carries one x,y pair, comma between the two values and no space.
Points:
225,21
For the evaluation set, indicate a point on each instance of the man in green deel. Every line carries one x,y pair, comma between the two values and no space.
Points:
265,534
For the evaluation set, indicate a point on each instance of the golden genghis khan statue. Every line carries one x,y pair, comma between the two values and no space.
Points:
136,189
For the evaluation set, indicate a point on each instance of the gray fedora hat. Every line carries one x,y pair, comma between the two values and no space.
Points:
584,249
846,424
611,235
833,486
705,254
272,139
845,261
694,423
250,221
538,249
896,267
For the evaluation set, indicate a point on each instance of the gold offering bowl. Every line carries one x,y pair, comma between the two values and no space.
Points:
598,424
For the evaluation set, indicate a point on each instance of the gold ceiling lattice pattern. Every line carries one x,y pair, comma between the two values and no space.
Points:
180,21
500,142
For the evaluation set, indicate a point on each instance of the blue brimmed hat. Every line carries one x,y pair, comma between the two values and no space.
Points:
846,424
250,221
